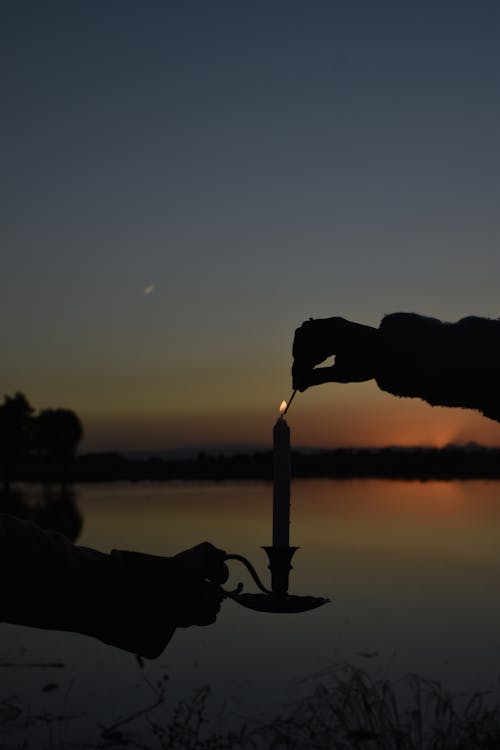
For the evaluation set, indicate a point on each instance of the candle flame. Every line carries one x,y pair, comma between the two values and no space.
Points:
282,407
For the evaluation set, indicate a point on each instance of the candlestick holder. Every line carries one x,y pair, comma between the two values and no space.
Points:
277,598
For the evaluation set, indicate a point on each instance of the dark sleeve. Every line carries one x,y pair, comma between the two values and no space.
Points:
446,364
120,598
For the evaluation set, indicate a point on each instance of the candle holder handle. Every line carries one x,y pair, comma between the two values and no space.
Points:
248,565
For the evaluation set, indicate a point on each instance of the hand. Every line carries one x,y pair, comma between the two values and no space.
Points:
201,570
354,346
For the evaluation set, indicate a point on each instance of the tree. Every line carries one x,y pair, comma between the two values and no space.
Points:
15,433
58,433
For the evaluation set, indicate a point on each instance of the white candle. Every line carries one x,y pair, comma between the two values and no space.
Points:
281,483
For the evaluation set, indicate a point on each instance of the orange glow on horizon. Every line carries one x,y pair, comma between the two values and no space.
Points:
386,422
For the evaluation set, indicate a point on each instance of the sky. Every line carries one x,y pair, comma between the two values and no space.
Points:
185,182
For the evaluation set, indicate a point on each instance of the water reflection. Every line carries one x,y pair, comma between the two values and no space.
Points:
405,564
412,569
51,508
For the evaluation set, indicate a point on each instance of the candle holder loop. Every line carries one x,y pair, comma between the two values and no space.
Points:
248,565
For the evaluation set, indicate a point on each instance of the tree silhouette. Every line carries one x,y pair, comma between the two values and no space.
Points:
15,433
58,433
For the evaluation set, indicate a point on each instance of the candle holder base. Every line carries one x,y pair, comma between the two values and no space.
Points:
278,599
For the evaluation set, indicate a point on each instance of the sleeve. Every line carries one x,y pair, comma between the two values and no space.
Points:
446,364
120,598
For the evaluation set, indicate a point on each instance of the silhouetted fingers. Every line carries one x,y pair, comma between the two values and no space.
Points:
355,347
218,572
216,569
209,605
306,379
200,606
315,341
353,344
202,562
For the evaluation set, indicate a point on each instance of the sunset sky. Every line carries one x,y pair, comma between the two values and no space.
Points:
184,182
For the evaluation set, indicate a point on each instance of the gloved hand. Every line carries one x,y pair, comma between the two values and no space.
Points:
200,571
354,346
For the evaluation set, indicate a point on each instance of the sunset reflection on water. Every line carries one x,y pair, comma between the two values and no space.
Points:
412,570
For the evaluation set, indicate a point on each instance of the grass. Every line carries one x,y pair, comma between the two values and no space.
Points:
351,711
348,710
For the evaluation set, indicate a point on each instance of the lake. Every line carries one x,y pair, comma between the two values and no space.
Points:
412,570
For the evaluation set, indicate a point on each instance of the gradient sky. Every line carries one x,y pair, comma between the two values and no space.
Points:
259,163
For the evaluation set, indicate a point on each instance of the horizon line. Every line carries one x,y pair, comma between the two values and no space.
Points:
235,448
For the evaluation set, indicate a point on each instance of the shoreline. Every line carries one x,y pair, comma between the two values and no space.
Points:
451,462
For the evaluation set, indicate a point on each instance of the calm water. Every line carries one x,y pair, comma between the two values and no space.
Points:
412,570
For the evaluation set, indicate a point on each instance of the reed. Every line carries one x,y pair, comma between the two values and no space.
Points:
347,710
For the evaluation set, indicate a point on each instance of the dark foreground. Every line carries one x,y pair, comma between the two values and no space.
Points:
347,711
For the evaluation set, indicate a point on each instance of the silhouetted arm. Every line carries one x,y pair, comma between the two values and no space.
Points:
126,599
446,364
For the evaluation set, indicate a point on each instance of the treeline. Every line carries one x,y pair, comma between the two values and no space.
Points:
452,462
43,447
39,444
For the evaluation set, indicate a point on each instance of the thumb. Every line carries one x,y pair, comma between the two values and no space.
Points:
333,374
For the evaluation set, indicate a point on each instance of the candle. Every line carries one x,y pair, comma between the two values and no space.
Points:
281,483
